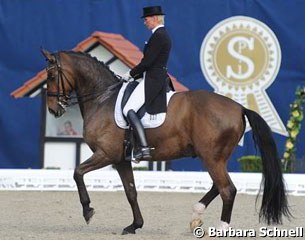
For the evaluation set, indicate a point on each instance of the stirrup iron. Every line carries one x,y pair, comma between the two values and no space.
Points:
140,154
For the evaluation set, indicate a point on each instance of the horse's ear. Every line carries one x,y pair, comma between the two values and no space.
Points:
47,55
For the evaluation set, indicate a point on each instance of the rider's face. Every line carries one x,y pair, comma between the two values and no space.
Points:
150,22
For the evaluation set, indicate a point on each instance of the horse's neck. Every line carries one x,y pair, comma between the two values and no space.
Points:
90,93
92,80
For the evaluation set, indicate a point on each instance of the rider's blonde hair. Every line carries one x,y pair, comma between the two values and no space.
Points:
160,19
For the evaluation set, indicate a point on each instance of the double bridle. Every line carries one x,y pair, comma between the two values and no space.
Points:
64,97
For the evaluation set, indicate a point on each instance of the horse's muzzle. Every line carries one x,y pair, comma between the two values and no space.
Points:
61,109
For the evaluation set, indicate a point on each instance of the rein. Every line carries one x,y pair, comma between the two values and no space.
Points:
64,98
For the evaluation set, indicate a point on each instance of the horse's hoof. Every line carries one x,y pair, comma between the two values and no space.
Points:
195,223
89,215
129,230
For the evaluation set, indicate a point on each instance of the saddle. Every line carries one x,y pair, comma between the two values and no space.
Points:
148,120
128,91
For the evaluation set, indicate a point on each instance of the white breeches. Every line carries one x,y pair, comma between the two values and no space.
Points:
136,100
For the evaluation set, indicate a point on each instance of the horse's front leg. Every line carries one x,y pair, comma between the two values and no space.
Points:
96,161
125,171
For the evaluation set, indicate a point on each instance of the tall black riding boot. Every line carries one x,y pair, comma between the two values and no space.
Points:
143,153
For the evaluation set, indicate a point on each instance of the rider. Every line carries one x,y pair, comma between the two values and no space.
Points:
150,91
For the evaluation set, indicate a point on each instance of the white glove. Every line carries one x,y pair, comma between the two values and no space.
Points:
126,76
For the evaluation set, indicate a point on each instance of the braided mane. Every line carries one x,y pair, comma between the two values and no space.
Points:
94,59
98,72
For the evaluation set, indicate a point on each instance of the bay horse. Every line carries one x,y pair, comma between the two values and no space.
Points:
198,123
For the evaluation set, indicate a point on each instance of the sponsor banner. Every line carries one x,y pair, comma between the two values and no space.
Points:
240,57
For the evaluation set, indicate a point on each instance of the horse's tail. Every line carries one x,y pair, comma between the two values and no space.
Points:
274,200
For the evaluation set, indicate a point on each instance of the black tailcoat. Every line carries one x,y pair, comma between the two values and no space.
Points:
154,63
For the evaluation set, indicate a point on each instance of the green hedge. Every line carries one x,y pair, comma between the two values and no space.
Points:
250,163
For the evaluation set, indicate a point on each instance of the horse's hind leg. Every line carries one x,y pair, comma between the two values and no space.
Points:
96,161
125,171
226,189
222,185
199,207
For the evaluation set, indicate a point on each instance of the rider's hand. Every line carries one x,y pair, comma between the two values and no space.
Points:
126,76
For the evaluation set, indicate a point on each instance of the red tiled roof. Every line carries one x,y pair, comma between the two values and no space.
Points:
115,43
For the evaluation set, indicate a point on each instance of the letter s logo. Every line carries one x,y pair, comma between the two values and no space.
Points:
240,43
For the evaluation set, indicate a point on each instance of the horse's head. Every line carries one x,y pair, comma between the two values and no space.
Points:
60,82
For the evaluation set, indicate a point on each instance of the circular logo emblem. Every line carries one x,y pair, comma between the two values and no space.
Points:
240,53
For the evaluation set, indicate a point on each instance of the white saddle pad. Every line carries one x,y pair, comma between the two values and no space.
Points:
148,120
